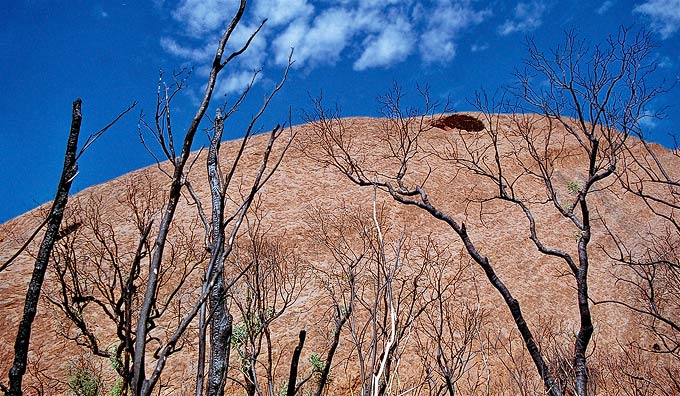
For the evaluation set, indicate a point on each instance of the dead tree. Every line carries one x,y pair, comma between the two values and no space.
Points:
402,134
272,278
378,286
137,294
596,96
294,362
141,384
606,90
98,275
448,333
52,224
649,261
221,244
336,232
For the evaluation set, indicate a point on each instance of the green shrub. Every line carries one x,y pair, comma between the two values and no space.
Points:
316,362
83,381
117,388
573,187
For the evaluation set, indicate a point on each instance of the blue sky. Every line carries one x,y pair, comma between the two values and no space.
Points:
109,53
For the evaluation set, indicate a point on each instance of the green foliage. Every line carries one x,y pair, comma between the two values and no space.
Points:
239,335
239,340
573,187
316,362
244,332
83,381
282,390
115,363
117,388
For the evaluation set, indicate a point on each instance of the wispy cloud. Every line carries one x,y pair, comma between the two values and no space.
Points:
319,41
202,23
649,121
193,54
368,33
282,12
392,45
527,16
236,82
604,7
479,47
444,24
350,27
665,62
202,17
663,15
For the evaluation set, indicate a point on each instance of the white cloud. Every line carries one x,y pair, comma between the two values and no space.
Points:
444,23
281,12
368,19
368,33
193,54
256,53
318,42
604,7
330,33
392,45
204,16
665,62
202,55
292,37
479,47
527,17
235,83
378,3
648,121
664,15
435,47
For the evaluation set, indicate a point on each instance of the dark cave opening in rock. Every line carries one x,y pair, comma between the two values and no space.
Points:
459,121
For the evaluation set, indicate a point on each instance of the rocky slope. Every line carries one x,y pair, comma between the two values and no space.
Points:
303,193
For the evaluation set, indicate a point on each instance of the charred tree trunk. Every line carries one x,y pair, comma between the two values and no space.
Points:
140,384
200,367
339,323
551,386
292,377
220,342
220,321
585,332
250,383
449,385
21,345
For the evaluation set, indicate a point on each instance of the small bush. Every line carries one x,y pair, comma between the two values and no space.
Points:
317,364
83,382
117,388
573,187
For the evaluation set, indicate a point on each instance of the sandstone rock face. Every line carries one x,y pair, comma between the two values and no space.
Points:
301,197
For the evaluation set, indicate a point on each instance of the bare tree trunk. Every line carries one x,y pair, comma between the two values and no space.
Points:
551,386
292,377
220,320
21,345
220,342
340,321
586,327
140,385
449,385
200,367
